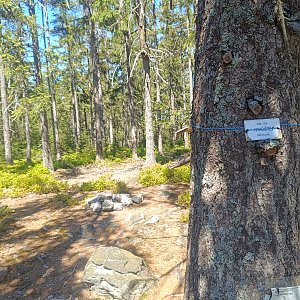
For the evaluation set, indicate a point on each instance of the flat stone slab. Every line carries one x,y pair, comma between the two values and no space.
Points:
117,273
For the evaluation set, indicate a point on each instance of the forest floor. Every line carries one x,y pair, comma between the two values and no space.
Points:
45,251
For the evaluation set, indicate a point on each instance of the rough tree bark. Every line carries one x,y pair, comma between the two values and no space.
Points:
244,223
5,116
150,155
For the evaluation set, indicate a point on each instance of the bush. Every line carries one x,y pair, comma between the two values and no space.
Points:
76,159
101,184
154,175
20,179
180,175
184,218
62,200
117,154
184,200
120,188
157,175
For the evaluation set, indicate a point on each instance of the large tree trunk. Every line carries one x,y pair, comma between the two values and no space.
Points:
244,223
46,149
5,116
150,155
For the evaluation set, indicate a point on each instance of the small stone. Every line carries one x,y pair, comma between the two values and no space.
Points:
154,219
138,199
97,207
136,218
3,272
181,241
107,205
118,206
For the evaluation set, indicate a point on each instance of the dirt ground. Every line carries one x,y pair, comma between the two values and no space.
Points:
45,250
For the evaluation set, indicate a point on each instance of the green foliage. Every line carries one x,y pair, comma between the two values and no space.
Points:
184,218
154,175
158,174
184,200
76,159
120,188
101,184
179,175
117,154
62,200
5,212
21,178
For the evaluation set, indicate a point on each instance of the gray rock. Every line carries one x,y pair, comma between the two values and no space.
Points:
96,207
107,205
154,219
120,197
117,273
138,199
118,206
3,272
92,200
88,231
105,196
135,218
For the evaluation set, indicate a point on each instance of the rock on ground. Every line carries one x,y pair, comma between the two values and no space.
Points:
117,274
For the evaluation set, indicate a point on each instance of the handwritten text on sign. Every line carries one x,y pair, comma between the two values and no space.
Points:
262,129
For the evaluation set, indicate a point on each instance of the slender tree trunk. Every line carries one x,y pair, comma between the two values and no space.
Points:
185,134
190,55
96,87
51,87
157,85
244,222
173,118
5,116
159,121
28,138
111,128
75,102
150,154
131,102
46,148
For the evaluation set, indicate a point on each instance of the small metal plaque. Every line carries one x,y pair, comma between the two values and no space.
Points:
262,129
286,293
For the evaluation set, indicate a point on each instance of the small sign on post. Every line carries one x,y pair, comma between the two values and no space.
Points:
286,293
262,129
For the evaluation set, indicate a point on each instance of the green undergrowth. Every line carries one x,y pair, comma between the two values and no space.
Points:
62,200
75,159
5,212
105,183
183,201
21,178
158,174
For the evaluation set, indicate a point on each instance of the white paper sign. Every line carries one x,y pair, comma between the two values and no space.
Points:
262,129
288,293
